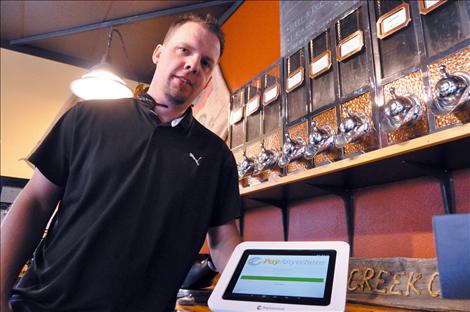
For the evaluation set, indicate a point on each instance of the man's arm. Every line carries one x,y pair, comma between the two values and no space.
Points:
222,241
23,227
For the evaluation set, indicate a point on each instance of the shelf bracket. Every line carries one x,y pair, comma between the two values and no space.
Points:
281,204
348,198
269,202
446,181
242,219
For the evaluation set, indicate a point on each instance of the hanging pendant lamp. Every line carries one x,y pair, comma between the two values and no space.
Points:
101,82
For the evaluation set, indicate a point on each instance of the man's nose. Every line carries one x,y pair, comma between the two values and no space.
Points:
192,63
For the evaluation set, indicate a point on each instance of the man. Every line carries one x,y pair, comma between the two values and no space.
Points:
140,183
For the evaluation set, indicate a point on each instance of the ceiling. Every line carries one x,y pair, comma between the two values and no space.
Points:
75,32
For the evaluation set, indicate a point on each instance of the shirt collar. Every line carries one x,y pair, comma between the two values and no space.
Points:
185,121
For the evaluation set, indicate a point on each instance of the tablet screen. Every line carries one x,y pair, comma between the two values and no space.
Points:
283,276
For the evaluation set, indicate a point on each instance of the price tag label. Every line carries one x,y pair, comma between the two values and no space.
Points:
393,21
270,94
350,46
320,64
252,106
295,79
236,116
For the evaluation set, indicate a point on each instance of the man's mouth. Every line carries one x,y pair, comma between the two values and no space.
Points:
184,80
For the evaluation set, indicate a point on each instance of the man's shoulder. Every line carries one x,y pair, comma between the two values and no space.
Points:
209,136
105,108
108,104
207,133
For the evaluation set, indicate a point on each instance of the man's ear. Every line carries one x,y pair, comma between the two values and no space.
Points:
207,82
156,53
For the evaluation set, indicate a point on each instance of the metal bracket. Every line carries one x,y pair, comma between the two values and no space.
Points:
446,181
242,219
348,198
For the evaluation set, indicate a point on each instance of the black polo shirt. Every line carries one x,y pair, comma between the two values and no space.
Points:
139,197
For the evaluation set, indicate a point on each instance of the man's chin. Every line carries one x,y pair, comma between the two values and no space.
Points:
180,97
178,101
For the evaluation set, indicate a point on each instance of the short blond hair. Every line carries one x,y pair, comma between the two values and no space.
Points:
208,21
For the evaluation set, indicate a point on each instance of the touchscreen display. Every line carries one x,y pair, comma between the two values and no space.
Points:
283,276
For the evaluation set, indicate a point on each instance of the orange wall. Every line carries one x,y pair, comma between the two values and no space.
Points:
252,41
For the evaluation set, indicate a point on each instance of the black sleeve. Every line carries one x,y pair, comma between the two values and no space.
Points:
228,195
53,155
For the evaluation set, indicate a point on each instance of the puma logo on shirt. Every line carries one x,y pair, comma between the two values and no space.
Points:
194,157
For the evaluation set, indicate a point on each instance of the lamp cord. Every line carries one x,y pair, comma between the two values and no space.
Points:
108,48
110,35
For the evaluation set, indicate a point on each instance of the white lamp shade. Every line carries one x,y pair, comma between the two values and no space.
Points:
100,83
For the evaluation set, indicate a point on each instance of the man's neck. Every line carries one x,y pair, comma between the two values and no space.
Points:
167,112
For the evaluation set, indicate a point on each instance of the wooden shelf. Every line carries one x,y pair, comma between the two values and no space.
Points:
447,149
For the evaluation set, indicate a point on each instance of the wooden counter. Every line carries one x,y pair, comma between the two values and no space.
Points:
349,308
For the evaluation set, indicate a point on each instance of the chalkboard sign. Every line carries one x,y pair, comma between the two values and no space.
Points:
301,19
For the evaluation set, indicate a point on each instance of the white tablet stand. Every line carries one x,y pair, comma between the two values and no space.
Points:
283,276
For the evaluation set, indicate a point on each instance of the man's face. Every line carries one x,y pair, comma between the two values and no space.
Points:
185,64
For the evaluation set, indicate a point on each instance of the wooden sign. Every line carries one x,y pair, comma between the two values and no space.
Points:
399,282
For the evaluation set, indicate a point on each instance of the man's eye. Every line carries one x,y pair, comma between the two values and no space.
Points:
206,64
183,50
